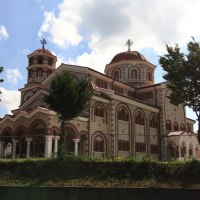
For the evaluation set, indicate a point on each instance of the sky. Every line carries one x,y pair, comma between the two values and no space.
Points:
89,33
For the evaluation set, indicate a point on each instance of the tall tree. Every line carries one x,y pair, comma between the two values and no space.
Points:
1,80
183,76
68,97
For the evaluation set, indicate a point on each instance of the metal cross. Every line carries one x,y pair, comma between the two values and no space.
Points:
129,43
43,42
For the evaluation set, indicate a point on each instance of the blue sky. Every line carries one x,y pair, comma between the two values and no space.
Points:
89,33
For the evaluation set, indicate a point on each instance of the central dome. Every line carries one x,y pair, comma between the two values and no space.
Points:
128,55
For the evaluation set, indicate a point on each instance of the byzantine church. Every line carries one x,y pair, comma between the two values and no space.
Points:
128,115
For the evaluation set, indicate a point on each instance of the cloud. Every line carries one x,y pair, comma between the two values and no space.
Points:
12,76
10,100
3,33
106,25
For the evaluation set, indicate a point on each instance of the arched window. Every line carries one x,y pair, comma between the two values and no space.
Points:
123,114
30,73
30,61
139,118
39,73
40,60
175,126
189,128
182,127
116,74
149,76
98,111
50,61
98,144
153,123
134,74
168,125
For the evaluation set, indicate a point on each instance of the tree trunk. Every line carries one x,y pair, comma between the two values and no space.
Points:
198,133
61,142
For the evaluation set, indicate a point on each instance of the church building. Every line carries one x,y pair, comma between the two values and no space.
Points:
128,116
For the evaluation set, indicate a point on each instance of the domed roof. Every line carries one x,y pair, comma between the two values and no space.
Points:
127,55
42,51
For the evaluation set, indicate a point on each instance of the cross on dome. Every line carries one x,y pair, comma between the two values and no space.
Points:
129,43
43,42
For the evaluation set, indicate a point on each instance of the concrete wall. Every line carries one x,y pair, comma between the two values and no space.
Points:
87,193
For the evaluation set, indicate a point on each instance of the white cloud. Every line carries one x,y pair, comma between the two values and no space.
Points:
3,32
106,25
12,76
10,100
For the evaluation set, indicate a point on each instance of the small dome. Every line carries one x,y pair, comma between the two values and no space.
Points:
128,55
42,51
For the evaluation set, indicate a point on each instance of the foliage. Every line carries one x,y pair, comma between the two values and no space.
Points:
68,97
183,76
82,168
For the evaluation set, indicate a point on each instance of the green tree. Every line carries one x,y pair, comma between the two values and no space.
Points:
68,97
183,76
1,80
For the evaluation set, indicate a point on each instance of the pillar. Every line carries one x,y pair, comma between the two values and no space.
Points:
56,138
1,149
48,146
14,143
28,140
76,141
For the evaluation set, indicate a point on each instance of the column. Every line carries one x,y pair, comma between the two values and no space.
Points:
56,138
14,143
187,151
48,146
1,149
76,141
28,140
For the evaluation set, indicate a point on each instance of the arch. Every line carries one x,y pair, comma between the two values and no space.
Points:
39,72
116,73
36,126
30,73
149,75
153,122
99,110
37,131
7,135
40,60
139,118
123,113
99,144
175,126
71,133
134,74
54,130
168,125
50,61
27,95
30,61
182,127
20,135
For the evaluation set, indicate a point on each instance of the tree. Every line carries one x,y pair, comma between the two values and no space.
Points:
183,76
1,80
68,97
